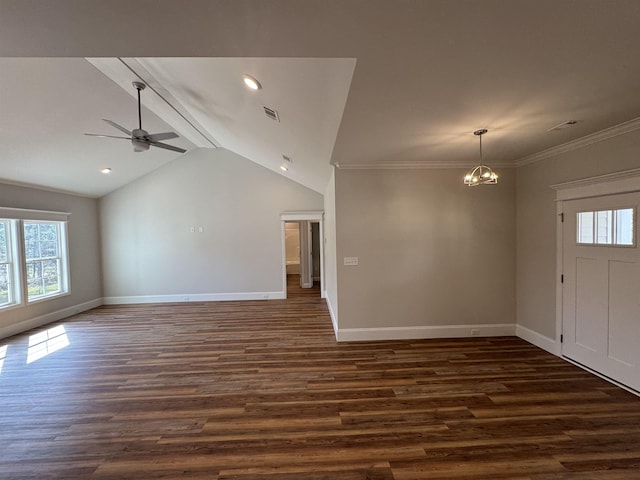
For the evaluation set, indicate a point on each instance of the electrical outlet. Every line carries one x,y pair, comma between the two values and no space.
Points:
475,332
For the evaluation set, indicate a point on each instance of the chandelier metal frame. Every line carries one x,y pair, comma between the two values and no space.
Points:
480,174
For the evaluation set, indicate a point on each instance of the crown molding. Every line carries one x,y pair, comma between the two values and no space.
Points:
415,165
581,142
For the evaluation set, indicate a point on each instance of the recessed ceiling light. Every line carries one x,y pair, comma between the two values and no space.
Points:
251,82
105,170
284,168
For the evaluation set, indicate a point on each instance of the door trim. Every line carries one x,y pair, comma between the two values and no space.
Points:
627,181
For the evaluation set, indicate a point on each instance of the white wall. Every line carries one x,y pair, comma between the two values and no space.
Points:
150,253
432,253
329,230
537,220
84,258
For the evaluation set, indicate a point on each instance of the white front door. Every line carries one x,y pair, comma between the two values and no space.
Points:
601,288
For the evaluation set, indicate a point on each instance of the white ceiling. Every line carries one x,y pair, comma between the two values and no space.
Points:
394,83
54,101
47,105
308,94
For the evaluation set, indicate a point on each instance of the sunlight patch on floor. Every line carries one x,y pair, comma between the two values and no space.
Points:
3,355
43,343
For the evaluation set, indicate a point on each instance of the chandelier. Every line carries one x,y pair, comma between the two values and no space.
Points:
481,174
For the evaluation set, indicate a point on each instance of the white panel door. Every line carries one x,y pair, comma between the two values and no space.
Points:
601,289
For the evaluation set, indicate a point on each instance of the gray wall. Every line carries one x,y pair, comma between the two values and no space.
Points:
536,221
84,257
432,251
149,249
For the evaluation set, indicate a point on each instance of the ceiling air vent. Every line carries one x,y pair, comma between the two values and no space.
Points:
271,113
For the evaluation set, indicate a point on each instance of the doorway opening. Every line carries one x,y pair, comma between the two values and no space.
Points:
302,254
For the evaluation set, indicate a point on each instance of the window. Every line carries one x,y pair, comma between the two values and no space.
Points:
8,270
606,227
624,226
585,227
44,261
33,258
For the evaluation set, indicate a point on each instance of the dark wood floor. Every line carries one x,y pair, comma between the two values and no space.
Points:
295,290
261,390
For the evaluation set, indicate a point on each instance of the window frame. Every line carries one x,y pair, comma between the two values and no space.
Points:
14,290
16,218
62,259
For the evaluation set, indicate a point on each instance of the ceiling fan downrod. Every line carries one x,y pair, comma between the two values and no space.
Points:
139,86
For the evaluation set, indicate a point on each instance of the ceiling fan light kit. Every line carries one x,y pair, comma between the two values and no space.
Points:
140,138
480,174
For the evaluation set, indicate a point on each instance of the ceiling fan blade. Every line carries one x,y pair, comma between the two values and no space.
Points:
167,147
156,137
105,136
119,127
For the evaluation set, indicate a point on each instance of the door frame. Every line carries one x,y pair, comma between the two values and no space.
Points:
627,181
300,216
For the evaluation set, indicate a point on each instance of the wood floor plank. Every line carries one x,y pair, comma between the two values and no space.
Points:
261,390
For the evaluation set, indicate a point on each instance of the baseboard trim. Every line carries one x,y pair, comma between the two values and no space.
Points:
539,340
439,331
194,297
47,318
334,318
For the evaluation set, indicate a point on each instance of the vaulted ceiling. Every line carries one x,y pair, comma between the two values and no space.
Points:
357,83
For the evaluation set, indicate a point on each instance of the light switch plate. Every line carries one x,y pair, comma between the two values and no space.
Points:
351,261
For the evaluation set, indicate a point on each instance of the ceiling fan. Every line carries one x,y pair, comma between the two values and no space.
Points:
141,139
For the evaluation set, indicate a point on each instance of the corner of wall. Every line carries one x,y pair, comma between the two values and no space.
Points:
334,318
541,341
